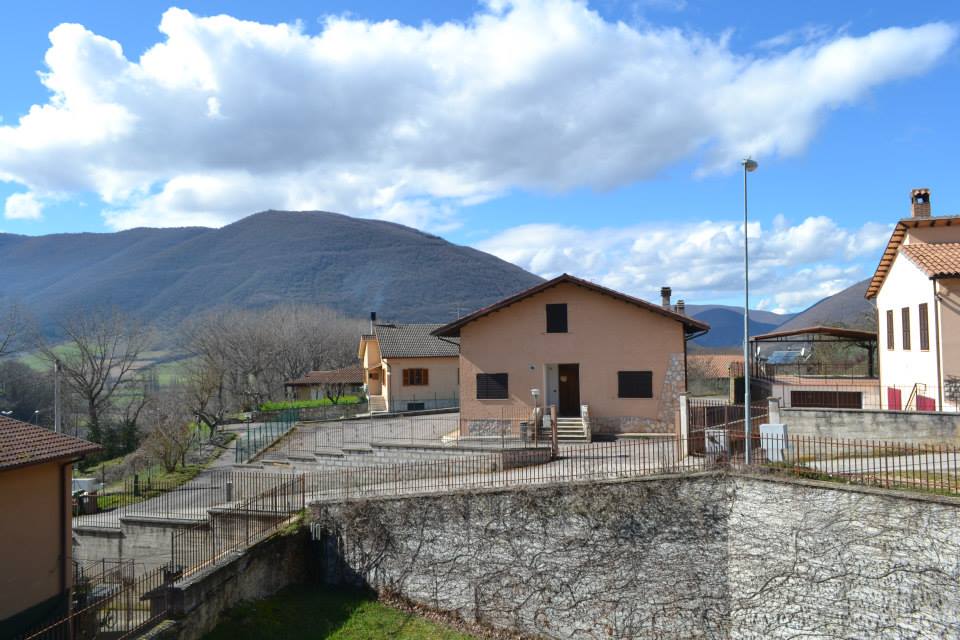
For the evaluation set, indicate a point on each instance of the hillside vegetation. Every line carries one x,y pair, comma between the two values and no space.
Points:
164,275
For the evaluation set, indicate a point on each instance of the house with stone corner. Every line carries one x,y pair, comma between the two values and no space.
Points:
916,287
407,368
596,354
36,467
334,383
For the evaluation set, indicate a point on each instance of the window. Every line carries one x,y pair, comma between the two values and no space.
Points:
905,315
557,318
890,330
416,377
635,384
492,386
924,328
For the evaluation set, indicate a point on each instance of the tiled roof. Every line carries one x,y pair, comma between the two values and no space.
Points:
940,260
690,325
714,365
22,444
414,341
347,375
896,240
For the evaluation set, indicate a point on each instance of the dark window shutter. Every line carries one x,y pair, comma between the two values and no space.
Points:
492,386
426,376
406,377
557,318
890,330
905,313
635,384
924,327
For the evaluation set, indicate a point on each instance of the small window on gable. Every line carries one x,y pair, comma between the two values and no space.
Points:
492,386
557,318
634,384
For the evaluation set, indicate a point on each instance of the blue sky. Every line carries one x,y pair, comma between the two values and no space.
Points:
599,140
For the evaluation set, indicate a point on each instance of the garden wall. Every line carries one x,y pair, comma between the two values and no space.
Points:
868,424
706,556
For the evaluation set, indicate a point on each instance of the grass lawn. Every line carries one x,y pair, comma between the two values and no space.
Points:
307,404
325,614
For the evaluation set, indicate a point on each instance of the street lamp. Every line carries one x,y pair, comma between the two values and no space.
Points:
749,165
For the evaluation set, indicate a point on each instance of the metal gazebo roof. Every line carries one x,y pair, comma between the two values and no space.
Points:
817,334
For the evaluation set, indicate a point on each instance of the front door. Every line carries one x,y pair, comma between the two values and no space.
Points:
569,405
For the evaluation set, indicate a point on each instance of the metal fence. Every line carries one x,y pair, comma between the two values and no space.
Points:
706,416
166,500
118,604
258,437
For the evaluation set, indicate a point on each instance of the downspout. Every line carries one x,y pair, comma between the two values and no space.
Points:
936,325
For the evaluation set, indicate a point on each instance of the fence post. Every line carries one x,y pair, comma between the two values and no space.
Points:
773,411
554,444
684,433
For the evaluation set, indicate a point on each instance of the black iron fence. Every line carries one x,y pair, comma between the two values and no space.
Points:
117,604
259,436
706,417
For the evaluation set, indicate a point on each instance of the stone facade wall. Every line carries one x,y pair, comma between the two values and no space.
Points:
708,556
674,384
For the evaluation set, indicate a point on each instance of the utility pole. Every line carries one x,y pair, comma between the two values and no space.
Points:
57,415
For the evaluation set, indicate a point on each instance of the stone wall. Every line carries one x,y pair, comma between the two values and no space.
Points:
906,426
706,556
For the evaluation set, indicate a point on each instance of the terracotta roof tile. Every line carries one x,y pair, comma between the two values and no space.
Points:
346,375
22,444
714,365
939,260
414,341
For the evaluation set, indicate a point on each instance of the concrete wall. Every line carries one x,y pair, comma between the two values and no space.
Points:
865,424
260,571
144,540
34,532
709,556
604,336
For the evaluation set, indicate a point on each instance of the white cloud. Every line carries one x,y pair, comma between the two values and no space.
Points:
22,206
225,116
790,266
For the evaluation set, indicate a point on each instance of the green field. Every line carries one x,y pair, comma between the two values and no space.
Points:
307,404
326,614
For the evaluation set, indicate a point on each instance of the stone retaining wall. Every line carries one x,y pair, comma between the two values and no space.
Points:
705,556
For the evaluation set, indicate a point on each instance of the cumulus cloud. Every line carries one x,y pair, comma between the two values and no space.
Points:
225,116
22,206
791,266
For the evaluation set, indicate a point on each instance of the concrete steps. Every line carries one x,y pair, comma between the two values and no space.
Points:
376,404
568,430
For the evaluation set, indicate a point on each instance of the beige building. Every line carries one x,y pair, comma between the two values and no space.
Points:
584,348
917,290
333,384
406,368
35,528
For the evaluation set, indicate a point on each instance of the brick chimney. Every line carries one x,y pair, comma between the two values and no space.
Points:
665,297
920,203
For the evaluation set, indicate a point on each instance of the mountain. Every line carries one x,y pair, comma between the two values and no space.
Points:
726,323
848,308
350,264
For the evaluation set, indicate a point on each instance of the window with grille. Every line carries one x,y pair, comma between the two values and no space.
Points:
557,318
905,319
890,330
416,377
924,328
492,386
635,384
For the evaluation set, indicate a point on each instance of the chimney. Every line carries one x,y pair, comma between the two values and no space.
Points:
373,318
665,297
920,203
681,307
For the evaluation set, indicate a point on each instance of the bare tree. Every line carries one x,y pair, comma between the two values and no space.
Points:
170,436
12,325
99,357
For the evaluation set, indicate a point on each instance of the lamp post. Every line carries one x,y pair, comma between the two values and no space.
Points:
749,166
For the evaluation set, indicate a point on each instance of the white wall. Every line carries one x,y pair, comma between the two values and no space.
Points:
906,286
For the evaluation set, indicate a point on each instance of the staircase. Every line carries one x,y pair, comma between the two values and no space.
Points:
376,404
568,430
